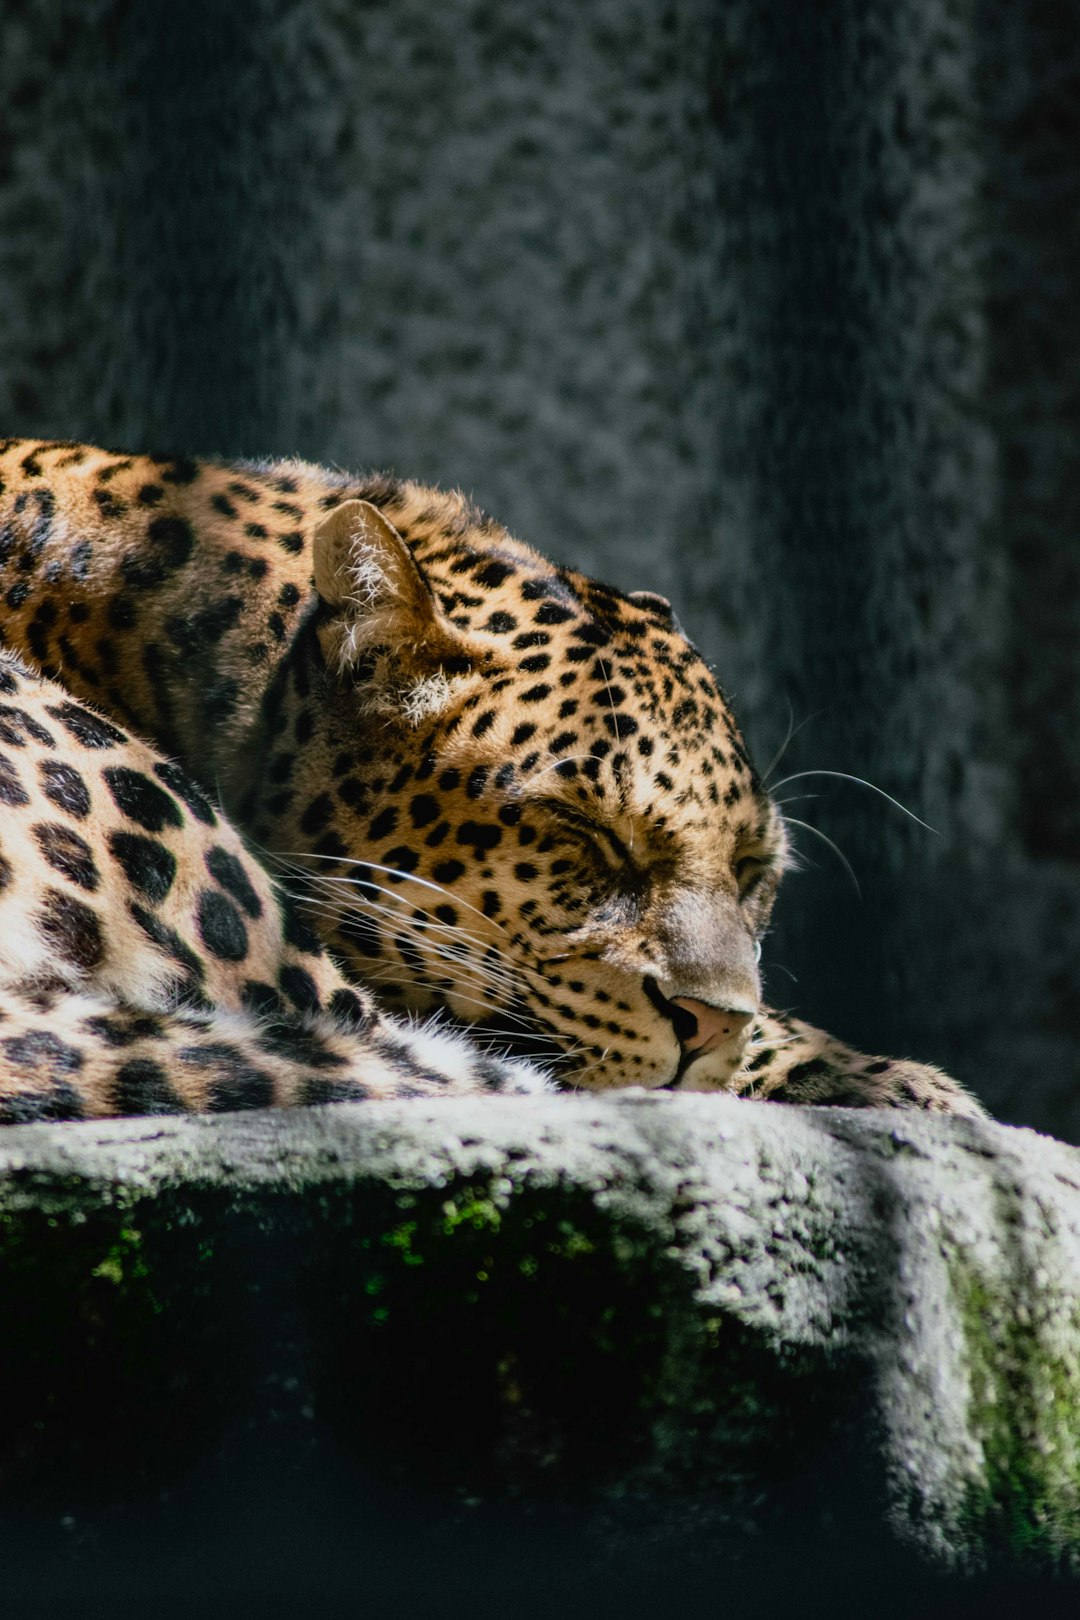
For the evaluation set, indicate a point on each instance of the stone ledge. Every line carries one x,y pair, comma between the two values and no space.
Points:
703,1322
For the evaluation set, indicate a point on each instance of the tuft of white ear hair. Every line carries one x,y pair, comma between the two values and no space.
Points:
360,557
364,567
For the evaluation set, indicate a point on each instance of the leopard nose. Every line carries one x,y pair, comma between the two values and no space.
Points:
711,1027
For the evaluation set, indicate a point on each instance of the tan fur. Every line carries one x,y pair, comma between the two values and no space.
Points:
497,788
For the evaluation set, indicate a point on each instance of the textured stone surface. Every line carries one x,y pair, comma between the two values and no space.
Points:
692,1319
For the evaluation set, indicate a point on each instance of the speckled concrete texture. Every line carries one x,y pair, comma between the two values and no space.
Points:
771,309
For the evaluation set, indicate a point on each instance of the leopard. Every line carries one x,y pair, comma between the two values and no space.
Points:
319,787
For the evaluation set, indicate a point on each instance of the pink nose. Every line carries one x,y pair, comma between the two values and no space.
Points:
715,1026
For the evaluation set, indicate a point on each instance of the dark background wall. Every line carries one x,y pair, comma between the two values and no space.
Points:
775,309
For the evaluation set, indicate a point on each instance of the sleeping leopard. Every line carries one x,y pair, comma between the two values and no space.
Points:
317,787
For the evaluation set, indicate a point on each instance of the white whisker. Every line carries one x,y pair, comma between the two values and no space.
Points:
567,759
845,776
394,872
589,1068
792,732
795,822
485,1040
330,882
418,920
450,990
779,966
418,940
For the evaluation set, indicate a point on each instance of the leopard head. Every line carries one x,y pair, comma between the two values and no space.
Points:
523,798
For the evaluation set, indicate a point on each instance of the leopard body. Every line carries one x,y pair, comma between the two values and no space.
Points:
290,759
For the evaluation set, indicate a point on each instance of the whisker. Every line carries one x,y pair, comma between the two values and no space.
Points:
845,776
782,969
423,924
504,967
567,759
792,732
848,868
329,881
418,940
589,1068
472,1001
393,871
486,1040
415,928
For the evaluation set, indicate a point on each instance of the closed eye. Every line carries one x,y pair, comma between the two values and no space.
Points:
610,843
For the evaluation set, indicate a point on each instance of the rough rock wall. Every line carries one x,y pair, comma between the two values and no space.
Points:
769,308
557,1355
1030,67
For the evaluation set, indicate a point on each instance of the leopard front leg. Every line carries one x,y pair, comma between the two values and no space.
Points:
792,1062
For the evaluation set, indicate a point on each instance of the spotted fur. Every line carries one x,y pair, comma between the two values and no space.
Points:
479,786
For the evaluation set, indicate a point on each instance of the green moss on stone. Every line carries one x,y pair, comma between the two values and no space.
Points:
528,1337
1024,1410
474,1207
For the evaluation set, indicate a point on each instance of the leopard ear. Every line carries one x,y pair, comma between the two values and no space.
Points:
658,606
361,562
364,569
652,602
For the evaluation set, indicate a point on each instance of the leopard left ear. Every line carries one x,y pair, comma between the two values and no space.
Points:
364,568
